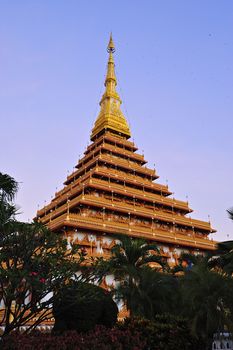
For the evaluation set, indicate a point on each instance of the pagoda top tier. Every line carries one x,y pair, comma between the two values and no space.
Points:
110,117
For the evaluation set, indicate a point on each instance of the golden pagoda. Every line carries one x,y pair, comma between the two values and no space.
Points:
113,193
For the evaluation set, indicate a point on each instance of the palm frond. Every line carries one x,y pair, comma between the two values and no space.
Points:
230,213
8,187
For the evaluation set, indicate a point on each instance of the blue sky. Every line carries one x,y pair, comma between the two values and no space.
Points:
175,77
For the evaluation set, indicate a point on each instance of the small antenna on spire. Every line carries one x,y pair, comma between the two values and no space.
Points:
111,46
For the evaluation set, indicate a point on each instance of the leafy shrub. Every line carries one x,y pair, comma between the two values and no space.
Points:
101,338
80,306
165,332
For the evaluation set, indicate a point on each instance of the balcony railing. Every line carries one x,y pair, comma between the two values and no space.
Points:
124,207
141,194
150,213
134,230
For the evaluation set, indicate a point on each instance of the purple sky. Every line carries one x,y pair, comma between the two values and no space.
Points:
174,64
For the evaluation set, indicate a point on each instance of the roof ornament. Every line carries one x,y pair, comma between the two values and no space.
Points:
110,117
111,46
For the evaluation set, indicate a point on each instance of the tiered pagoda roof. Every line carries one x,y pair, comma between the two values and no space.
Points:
112,192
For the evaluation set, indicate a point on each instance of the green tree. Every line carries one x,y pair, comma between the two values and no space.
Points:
8,187
80,306
8,190
164,332
223,259
130,263
152,293
34,263
206,300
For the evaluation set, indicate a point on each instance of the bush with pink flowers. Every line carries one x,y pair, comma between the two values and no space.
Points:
100,338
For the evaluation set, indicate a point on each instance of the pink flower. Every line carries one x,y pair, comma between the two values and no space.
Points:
33,273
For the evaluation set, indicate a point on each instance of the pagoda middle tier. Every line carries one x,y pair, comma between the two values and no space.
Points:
112,193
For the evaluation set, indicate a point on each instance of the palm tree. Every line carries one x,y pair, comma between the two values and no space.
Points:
207,300
8,189
133,253
230,213
223,259
188,260
130,263
153,293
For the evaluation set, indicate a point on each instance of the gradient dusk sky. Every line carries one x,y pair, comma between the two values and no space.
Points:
174,65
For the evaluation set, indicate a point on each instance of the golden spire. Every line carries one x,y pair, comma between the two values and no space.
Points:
110,116
111,46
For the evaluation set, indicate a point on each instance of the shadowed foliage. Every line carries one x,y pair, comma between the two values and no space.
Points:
130,263
80,306
34,263
206,301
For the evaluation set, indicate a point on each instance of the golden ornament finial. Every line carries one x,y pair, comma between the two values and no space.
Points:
111,46
110,117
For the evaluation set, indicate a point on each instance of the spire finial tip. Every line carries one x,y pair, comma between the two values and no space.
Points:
111,46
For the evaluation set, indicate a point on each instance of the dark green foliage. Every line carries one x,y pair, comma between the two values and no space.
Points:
223,259
130,265
8,187
165,332
34,263
80,306
207,301
154,293
224,255
131,254
205,295
230,213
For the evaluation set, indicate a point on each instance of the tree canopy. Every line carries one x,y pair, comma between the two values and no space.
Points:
34,264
